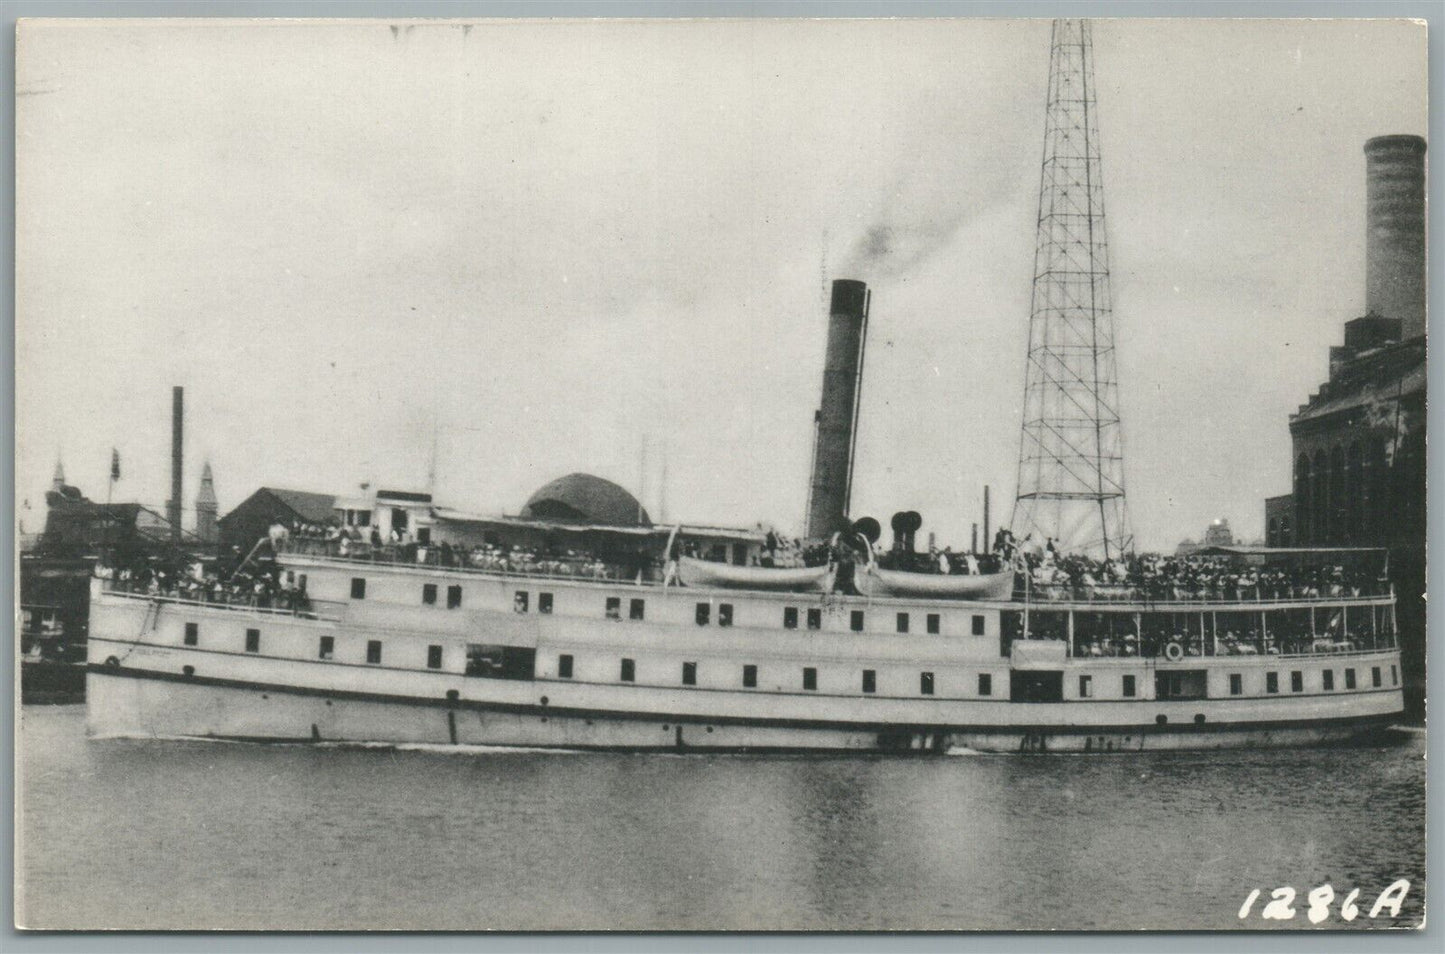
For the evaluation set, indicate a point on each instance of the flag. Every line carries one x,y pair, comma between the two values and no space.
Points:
114,464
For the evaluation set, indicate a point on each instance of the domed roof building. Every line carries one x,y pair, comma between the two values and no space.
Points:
583,498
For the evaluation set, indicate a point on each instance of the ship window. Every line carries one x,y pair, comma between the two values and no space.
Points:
1394,675
614,607
519,601
291,577
703,614
1189,684
1129,687
544,602
1296,681
689,674
433,657
1086,686
1375,676
1328,679
815,619
301,583
933,624
978,625
790,617
373,651
870,680
1236,684
810,678
193,633
856,621
491,661
327,649
253,640
564,666
637,609
358,587
363,518
1271,682
725,614
925,683
750,676
429,593
1349,679
985,684
903,622
629,670
454,597
1029,686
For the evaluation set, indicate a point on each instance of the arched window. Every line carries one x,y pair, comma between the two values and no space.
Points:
1339,494
1320,498
1355,480
1302,497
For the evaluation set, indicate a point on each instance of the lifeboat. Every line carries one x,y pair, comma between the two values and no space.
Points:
705,574
874,581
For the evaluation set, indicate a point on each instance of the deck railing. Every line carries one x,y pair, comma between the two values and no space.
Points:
550,568
1181,597
291,603
590,569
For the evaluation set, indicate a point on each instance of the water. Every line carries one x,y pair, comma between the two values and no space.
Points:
131,834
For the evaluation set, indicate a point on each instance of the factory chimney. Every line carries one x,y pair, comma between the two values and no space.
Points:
837,416
173,506
1395,231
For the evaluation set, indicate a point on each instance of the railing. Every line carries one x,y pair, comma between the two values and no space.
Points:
1193,650
551,568
1179,596
291,603
585,568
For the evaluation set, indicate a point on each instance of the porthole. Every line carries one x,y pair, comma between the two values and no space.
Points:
452,694
1199,719
189,670
1161,719
544,700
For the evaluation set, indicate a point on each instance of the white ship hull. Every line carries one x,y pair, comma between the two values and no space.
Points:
125,705
782,674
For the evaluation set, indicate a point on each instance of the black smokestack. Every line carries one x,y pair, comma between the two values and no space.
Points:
838,413
178,415
1395,231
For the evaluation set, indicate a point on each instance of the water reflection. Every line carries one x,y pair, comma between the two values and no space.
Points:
133,834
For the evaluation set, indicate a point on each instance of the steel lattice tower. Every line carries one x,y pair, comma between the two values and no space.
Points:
1071,456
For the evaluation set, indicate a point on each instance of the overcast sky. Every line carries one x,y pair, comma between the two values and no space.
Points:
546,243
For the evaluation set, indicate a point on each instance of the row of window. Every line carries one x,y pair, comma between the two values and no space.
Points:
628,673
637,610
326,650
1327,680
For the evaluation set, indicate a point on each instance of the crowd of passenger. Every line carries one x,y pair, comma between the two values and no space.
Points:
403,547
1044,571
1154,577
1231,642
263,586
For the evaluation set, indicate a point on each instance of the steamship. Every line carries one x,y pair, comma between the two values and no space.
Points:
685,641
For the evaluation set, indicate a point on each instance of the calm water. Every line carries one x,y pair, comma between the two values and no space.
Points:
123,834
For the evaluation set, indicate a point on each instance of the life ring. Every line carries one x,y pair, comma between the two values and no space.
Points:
1174,652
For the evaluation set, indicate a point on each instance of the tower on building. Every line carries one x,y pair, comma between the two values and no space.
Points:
1071,454
57,483
206,508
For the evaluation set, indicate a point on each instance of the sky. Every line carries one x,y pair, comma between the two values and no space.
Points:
540,248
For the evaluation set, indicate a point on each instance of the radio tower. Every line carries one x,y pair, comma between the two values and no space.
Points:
1071,456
